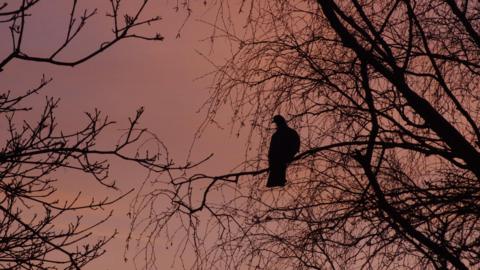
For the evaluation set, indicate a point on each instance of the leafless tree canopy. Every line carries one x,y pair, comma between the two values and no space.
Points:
38,228
385,94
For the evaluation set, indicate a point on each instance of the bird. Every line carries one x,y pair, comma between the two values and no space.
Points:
285,143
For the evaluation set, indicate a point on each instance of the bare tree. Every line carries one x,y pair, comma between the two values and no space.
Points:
39,229
385,96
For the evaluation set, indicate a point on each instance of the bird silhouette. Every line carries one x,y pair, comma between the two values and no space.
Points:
284,145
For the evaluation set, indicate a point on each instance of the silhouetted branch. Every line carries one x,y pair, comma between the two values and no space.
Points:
77,22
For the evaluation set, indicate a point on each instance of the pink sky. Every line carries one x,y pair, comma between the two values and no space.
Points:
134,73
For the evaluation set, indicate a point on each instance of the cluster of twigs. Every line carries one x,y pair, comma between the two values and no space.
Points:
39,227
385,96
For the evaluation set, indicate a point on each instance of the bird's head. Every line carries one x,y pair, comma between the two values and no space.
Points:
279,120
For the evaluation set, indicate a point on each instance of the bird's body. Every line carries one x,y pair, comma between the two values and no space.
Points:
284,144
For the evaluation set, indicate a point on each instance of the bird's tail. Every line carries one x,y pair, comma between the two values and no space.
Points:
276,177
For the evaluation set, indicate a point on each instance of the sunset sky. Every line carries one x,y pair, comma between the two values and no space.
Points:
372,164
160,76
